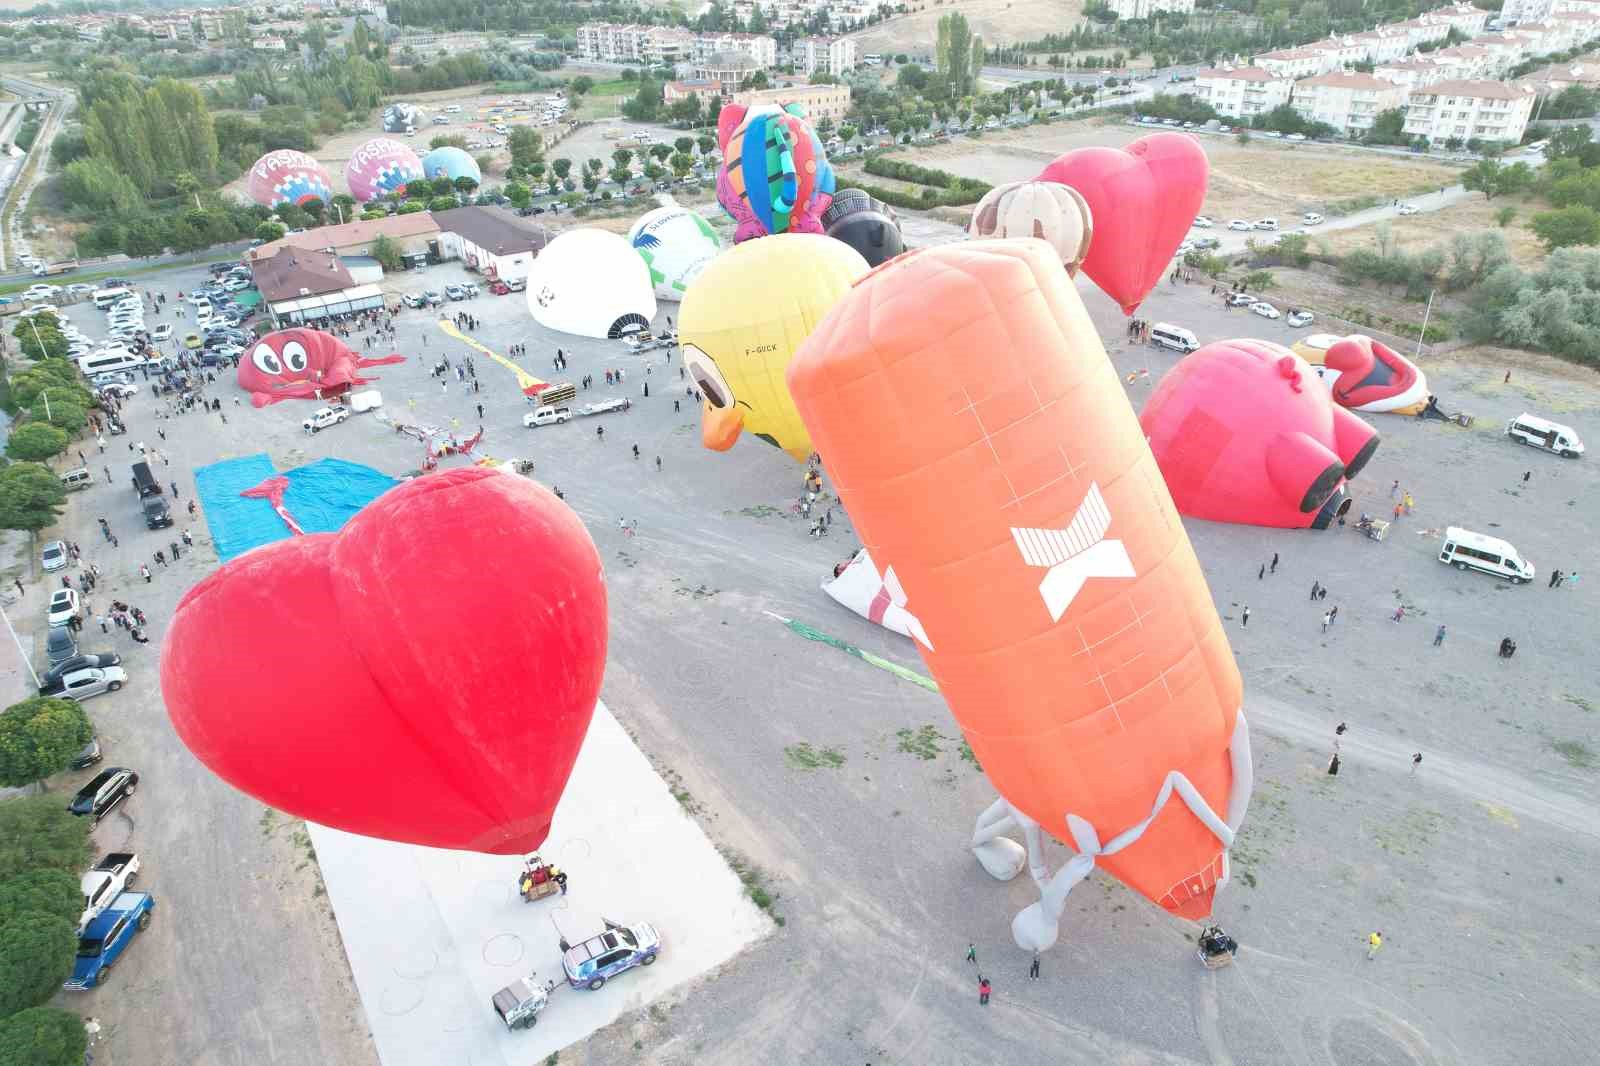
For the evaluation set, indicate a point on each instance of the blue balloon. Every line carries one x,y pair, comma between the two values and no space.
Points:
450,162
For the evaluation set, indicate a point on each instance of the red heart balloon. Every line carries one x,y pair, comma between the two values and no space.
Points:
427,674
1144,199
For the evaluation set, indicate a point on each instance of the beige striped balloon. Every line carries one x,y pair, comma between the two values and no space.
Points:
1056,213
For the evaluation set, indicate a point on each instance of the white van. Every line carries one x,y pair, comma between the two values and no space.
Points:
109,360
1175,337
1466,550
104,298
1545,435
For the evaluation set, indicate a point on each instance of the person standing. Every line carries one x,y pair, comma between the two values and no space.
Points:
1333,615
17,581
1374,942
1274,562
983,990
1555,579
1262,572
1416,761
1244,620
972,954
1315,587
1033,970
1327,620
144,572
1438,635
1394,490
104,628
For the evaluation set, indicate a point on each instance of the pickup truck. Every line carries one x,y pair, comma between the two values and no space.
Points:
103,942
323,417
50,270
110,876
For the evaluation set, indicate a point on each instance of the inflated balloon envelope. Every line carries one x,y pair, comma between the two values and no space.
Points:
425,675
984,448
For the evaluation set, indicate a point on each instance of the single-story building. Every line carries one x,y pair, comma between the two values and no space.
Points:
490,240
310,287
409,233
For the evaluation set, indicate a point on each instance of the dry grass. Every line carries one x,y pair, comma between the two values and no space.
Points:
993,20
1417,232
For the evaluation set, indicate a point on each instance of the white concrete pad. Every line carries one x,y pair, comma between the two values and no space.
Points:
431,934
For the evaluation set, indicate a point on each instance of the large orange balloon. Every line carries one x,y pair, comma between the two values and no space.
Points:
1066,618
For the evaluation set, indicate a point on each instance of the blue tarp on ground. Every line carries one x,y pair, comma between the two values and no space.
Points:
321,497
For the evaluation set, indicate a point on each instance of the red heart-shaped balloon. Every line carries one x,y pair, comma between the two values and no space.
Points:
1144,199
427,674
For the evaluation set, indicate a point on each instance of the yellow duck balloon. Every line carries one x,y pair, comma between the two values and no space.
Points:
741,322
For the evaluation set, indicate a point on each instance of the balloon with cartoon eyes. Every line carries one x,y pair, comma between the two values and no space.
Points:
303,364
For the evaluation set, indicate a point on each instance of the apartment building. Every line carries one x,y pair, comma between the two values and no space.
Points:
758,46
820,101
1470,20
611,41
1143,9
709,92
1411,74
1505,50
1292,62
1464,62
668,45
1467,110
1347,102
824,55
726,70
1419,31
1382,45
1516,12
270,43
1242,92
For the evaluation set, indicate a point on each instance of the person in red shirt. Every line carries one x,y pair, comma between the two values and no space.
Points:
983,990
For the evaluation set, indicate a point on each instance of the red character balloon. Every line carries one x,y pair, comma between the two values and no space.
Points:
427,674
303,364
1244,432
1369,375
1143,199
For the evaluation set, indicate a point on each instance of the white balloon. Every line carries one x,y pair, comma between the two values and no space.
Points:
1056,213
591,283
676,244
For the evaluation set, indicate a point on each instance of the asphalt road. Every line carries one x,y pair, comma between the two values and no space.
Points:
868,861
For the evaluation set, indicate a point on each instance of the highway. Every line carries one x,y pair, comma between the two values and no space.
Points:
15,200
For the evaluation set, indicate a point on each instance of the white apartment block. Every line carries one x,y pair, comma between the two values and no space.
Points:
1470,20
1242,92
758,46
824,55
1464,62
1292,63
1464,110
1516,12
1410,74
1143,9
1347,102
668,44
1420,32
1382,45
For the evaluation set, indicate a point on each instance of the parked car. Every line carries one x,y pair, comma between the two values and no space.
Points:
107,937
1408,209
54,556
1299,318
235,285
323,417
162,332
1205,244
1239,225
455,292
1311,218
1295,137
471,290
60,645
412,300
433,299
88,756
1264,309
119,390
547,416
81,661
104,792
1265,224
1203,222
191,341
64,606
87,683
620,948
104,882
1240,299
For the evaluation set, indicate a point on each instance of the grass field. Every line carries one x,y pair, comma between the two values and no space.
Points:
1417,232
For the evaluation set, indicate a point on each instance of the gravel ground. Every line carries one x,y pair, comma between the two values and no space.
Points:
1472,867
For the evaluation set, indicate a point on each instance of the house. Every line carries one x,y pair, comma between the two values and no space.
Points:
409,233
1464,110
1293,62
821,102
1410,74
1347,102
299,286
270,43
708,91
490,240
1242,92
824,55
726,70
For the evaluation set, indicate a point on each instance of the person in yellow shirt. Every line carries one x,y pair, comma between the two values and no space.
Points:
1374,942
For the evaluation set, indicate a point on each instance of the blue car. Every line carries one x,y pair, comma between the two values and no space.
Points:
603,956
105,938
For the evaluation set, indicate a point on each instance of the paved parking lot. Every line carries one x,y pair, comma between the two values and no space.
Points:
866,857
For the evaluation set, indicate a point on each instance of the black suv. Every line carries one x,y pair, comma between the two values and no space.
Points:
103,792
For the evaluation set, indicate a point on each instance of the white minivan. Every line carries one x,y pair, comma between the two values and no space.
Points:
109,360
1466,550
1545,435
1175,337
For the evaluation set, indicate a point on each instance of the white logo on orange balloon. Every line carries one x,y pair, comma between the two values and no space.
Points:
890,603
1075,554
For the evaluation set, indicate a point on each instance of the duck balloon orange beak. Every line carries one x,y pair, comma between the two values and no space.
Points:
720,427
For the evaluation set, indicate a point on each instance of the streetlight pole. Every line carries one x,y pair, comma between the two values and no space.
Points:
20,651
1425,315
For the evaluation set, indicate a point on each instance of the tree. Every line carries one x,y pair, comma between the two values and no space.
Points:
443,185
526,146
387,253
706,143
654,172
622,157
443,203
518,193
37,833
36,953
580,85
40,337
448,140
411,207
661,152
31,496
1575,101
620,175
465,184
62,408
1505,215
591,182
53,892
1483,176
682,163
39,737
270,231
683,144
26,385
1567,226
561,167
34,442
1388,127
1568,141
42,1036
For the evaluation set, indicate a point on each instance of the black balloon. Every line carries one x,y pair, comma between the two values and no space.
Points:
865,224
